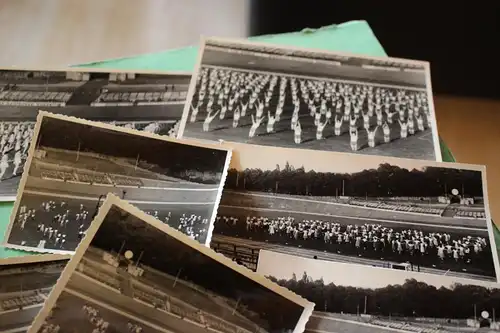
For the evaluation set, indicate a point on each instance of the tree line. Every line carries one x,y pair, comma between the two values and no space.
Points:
411,299
385,181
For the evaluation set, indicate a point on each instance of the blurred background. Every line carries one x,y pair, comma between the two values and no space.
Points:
459,39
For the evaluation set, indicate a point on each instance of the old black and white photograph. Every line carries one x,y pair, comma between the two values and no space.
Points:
361,299
144,101
25,284
134,274
272,95
74,163
396,213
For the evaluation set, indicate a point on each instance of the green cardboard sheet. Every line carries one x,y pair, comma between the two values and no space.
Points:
353,37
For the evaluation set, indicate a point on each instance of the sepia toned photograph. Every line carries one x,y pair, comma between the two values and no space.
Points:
132,273
361,299
142,101
396,213
272,95
25,284
74,163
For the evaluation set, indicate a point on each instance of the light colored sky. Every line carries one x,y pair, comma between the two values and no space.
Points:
266,158
283,266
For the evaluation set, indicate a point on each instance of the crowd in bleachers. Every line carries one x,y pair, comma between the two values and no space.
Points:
102,277
15,139
139,97
397,207
10,95
271,99
409,327
470,214
21,302
90,178
364,239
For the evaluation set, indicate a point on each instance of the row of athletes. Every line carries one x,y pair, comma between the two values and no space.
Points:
15,138
371,240
237,93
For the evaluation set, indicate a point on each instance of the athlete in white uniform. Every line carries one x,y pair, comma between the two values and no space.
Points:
319,130
371,137
366,121
297,133
194,113
354,138
4,165
404,129
236,117
338,125
420,123
270,122
17,162
208,120
411,125
387,132
244,107
353,124
255,124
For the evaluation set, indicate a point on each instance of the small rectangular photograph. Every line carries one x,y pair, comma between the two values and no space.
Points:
132,273
361,299
151,102
25,284
248,92
405,214
74,163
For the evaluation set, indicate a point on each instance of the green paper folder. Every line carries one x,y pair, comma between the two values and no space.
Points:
353,37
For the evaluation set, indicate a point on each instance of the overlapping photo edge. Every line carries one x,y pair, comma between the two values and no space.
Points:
41,114
206,39
112,200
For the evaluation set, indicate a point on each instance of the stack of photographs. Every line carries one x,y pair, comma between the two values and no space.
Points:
298,180
74,163
151,102
132,273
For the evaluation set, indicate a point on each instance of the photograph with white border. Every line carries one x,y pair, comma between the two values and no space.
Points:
25,284
133,273
259,93
360,299
74,163
379,211
149,101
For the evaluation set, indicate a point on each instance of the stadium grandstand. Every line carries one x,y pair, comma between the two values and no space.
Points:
24,287
129,100
159,299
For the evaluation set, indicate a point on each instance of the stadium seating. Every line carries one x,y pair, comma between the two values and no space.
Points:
398,207
16,97
22,301
219,325
101,277
470,214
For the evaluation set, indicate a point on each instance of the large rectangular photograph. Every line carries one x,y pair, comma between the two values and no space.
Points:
151,102
396,213
74,163
361,299
25,284
272,95
132,273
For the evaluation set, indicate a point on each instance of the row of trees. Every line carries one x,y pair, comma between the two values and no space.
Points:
411,299
385,181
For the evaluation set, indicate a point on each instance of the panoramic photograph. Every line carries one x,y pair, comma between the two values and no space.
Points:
142,101
273,95
134,274
74,163
25,284
396,213
361,299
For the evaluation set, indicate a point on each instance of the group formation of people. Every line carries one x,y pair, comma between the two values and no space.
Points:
58,225
15,138
50,328
93,316
193,225
372,241
271,100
